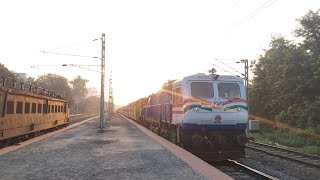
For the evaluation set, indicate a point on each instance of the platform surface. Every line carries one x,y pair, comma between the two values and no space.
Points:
122,151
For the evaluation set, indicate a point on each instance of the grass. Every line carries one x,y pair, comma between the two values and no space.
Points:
289,140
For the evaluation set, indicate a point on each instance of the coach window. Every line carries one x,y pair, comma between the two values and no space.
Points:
58,108
55,109
52,108
33,108
10,107
39,108
45,108
49,108
19,107
27,108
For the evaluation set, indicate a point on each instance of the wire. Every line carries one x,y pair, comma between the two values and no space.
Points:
223,69
70,54
230,67
254,13
71,45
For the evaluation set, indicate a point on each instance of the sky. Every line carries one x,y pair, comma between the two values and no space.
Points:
147,42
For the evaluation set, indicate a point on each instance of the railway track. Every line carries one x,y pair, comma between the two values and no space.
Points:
306,159
237,170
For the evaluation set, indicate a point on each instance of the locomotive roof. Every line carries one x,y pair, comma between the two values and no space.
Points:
206,77
215,77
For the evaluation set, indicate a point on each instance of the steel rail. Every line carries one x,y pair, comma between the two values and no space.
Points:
252,170
307,159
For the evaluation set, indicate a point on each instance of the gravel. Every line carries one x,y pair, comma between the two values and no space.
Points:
278,167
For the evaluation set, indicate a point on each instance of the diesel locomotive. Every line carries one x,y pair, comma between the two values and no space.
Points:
205,114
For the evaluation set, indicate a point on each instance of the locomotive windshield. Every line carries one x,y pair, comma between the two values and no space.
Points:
202,89
229,90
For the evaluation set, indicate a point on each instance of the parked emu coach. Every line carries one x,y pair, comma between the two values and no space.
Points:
29,111
205,114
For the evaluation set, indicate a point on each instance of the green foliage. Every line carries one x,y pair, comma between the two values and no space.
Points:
286,83
55,83
79,92
5,72
290,139
92,105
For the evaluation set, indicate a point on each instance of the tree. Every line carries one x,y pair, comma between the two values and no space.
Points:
310,30
5,72
286,83
55,83
79,92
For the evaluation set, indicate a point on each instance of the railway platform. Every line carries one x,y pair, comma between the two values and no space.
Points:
125,150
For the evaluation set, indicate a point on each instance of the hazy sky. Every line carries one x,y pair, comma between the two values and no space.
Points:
148,42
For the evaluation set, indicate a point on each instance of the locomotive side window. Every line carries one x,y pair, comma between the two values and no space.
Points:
202,89
229,90
19,107
34,108
10,107
27,108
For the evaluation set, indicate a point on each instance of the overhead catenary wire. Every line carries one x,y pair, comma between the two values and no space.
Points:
229,67
71,45
253,14
65,54
222,69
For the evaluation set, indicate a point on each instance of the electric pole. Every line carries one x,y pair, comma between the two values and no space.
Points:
102,83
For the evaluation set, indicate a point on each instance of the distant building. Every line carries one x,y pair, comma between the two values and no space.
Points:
23,77
92,92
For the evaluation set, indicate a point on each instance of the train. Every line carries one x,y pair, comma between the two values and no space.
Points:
206,114
27,111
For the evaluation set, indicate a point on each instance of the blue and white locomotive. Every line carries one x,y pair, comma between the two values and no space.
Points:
205,114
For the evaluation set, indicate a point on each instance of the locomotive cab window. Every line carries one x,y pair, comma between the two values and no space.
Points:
229,90
202,89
